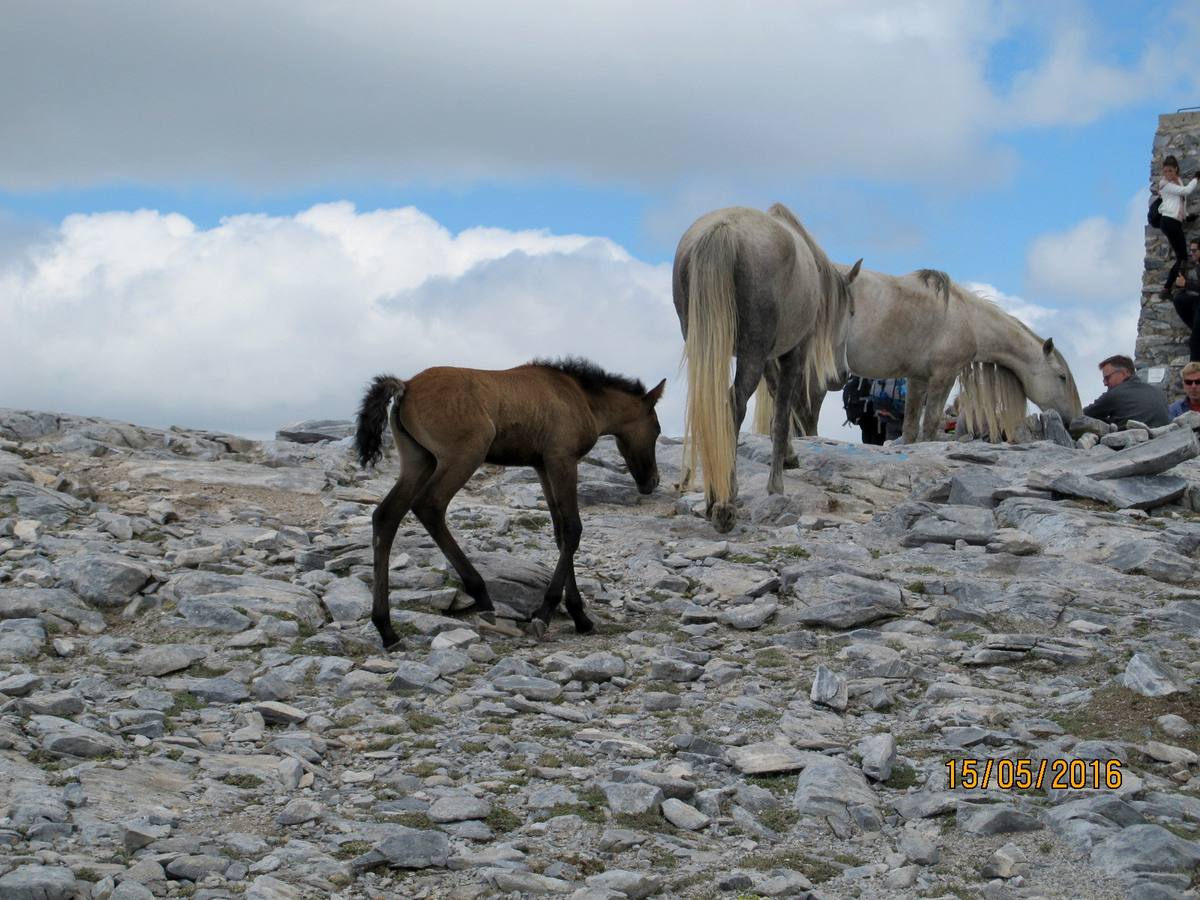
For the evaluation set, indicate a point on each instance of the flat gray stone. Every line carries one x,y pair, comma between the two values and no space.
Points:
163,659
414,676
1081,425
829,689
348,600
832,787
634,885
998,818
878,756
598,667
918,848
1054,430
299,811
632,799
33,882
196,866
975,486
528,686
684,815
62,737
459,809
750,616
853,601
950,524
1148,458
1145,848
408,848
106,581
768,758
313,431
1149,676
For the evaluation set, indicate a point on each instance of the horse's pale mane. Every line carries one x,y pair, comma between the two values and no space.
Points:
992,399
590,376
820,366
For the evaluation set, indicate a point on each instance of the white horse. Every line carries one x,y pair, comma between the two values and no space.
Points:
756,287
928,329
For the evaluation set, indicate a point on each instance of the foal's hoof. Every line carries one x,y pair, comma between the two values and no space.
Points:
585,627
537,629
724,517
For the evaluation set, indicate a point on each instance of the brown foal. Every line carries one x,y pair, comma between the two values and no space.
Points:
447,422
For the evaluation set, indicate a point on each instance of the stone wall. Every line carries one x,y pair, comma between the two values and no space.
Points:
1162,337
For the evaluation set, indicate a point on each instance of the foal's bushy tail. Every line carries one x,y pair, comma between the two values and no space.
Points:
711,340
372,416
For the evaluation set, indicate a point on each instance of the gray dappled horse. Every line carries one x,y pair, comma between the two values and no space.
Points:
930,330
754,287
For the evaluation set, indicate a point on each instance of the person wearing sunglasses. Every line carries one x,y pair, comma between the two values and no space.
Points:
1127,397
1191,390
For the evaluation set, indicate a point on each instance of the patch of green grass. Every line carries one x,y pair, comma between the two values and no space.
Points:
771,658
647,821
1117,713
780,818
424,769
662,859
495,728
352,849
422,723
200,670
743,558
790,552
917,587
593,796
185,700
349,721
815,870
575,758
902,777
923,570
779,785
417,820
474,747
530,521
554,731
245,781
503,820
86,874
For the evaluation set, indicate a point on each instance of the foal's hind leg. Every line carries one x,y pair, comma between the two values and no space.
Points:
789,376
430,507
416,465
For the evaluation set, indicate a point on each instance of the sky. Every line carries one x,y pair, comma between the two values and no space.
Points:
232,216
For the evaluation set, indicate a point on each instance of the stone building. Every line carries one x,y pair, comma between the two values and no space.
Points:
1162,339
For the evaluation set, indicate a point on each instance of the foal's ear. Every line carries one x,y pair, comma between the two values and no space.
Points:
853,273
652,397
1048,347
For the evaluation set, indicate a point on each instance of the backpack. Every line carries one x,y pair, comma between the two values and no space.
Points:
1153,216
856,400
889,395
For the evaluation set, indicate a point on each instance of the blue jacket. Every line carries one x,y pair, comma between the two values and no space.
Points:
1178,408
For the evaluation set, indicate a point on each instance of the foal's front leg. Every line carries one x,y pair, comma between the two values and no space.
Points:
562,476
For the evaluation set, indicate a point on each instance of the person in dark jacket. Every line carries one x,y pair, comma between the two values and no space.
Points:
1126,397
1186,299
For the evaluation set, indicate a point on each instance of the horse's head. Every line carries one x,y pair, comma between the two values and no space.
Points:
1049,383
637,435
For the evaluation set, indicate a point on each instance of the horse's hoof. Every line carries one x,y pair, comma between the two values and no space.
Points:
537,629
791,462
724,517
475,609
585,627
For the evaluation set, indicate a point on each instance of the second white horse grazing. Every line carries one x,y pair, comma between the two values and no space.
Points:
928,329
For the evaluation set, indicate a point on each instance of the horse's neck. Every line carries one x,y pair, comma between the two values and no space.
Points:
1000,338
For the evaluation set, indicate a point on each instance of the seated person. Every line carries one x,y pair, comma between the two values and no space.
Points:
1191,389
1186,299
1126,397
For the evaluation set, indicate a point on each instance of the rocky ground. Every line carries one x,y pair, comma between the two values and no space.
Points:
192,701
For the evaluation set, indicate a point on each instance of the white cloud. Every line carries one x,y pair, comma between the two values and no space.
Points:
609,90
1096,260
143,316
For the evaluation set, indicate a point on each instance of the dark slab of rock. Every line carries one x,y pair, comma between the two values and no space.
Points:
975,486
1081,425
1149,457
104,580
1054,430
312,431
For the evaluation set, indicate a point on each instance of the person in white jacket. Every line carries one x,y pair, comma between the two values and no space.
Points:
1174,195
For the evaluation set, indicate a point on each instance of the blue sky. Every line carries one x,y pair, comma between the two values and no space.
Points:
543,145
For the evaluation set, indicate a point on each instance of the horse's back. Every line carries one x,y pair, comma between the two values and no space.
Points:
524,412
902,327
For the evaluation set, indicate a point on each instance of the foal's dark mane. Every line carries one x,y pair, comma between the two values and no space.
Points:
590,376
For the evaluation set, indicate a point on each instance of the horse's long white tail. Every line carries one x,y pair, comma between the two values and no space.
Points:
992,398
710,344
